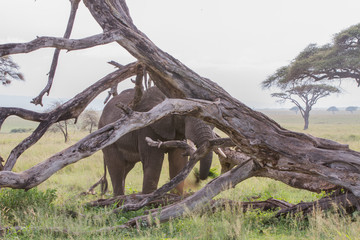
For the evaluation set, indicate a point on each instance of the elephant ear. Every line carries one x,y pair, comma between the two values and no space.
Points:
164,128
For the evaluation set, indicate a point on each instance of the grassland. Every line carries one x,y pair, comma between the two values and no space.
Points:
343,127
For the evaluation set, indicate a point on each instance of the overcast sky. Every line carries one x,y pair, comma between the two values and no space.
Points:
233,42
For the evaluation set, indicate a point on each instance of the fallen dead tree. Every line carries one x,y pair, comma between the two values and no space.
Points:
266,149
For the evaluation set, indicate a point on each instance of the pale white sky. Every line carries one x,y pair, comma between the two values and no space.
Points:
234,43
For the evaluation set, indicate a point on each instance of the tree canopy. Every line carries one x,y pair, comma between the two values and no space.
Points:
332,109
9,71
339,59
351,109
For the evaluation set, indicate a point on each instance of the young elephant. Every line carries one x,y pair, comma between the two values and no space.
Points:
121,156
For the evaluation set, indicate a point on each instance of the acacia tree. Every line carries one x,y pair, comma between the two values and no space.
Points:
295,109
264,148
340,59
351,109
89,119
332,109
62,126
305,97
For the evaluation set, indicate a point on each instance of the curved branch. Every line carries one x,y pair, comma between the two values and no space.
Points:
22,113
60,43
38,99
68,110
94,142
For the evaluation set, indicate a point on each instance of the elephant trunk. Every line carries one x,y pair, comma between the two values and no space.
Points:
198,132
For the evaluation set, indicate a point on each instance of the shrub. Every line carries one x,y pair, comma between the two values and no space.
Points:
20,130
17,200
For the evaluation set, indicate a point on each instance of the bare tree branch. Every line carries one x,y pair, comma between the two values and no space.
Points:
68,110
38,99
139,89
60,43
94,142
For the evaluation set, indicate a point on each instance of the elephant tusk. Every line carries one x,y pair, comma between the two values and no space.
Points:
220,152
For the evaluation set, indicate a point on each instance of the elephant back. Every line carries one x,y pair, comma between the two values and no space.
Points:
111,112
151,97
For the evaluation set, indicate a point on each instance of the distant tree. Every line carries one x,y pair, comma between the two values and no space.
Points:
9,71
62,126
304,96
351,109
339,59
295,109
332,109
89,119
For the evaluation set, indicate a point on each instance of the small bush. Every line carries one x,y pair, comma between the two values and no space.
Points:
20,130
17,200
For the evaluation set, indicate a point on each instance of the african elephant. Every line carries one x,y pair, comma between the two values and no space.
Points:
121,156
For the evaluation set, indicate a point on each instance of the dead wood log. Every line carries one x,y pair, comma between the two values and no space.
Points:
345,203
194,202
269,204
166,199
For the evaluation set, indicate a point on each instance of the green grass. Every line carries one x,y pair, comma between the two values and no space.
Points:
228,224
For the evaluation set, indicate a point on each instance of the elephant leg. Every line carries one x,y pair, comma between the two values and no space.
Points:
118,168
152,160
177,162
152,164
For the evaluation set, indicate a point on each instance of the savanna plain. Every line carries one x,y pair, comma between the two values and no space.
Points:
53,204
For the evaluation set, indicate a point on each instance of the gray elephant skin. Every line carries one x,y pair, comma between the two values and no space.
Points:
121,156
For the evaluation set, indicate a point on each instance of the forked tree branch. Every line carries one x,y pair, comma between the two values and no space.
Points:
73,10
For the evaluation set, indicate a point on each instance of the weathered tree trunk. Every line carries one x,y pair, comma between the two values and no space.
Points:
271,146
306,120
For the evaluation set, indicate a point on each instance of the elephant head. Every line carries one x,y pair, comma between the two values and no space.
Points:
176,126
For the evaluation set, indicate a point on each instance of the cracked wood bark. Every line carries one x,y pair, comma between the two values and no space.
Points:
264,140
346,202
